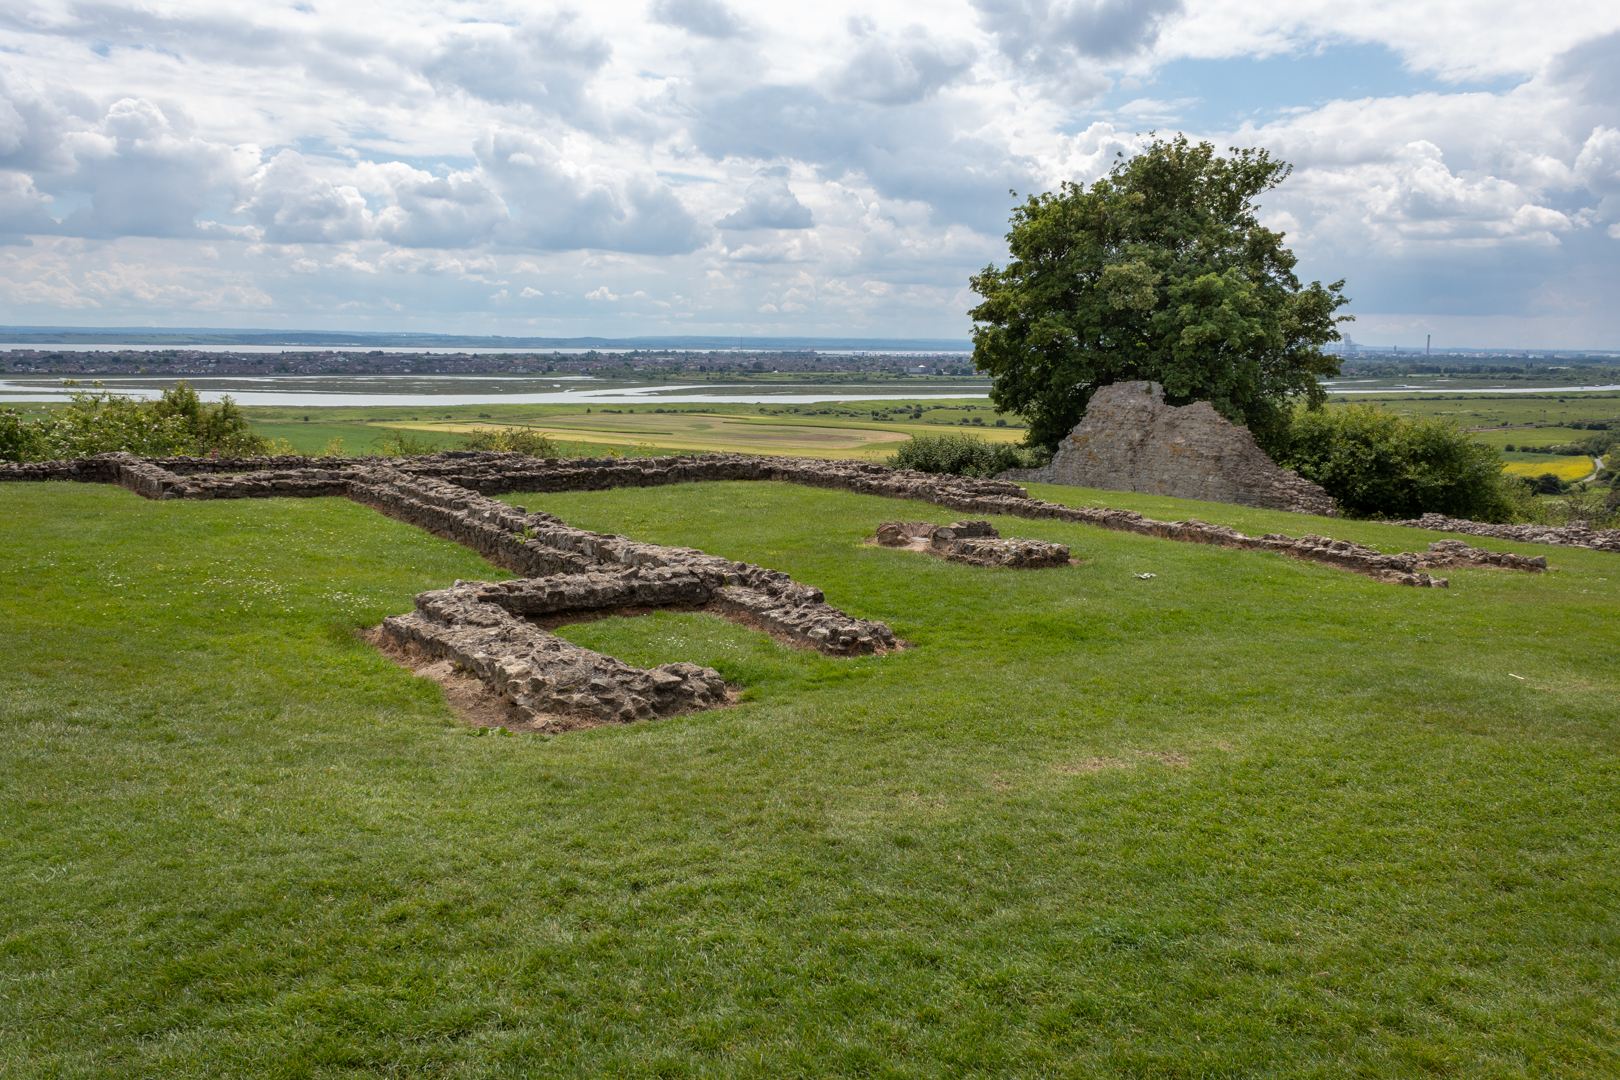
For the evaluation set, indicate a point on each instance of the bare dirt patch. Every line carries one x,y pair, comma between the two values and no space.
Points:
1092,765
1170,758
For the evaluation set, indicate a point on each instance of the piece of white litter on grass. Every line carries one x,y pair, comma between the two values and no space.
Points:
1145,577
1521,678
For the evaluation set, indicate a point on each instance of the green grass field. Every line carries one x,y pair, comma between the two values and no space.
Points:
826,430
1252,817
1490,410
839,429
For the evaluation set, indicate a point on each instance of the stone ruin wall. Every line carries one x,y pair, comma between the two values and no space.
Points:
488,628
1130,440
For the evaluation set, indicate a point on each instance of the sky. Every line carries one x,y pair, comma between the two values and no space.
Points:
663,167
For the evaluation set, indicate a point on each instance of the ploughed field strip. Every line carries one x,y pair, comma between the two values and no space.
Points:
492,630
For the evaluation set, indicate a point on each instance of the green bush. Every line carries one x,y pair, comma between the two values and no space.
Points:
397,443
521,439
1376,464
98,422
964,455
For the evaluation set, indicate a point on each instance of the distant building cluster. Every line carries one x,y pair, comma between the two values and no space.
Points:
639,363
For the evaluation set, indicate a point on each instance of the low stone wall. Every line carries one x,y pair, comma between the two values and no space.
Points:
1130,440
1564,535
547,678
486,627
975,543
427,491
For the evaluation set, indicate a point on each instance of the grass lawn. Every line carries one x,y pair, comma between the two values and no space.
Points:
1252,817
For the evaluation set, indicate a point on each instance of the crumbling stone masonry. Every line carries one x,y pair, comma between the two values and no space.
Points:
1564,535
976,543
490,629
1130,440
491,473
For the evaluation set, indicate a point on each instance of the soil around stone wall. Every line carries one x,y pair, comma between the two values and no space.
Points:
473,701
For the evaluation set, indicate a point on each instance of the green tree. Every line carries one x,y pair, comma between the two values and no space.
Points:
1158,271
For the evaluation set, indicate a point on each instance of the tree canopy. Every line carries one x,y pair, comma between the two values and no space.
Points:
1158,271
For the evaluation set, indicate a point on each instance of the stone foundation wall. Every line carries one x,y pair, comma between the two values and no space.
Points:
1130,440
975,543
544,675
1564,535
463,475
486,628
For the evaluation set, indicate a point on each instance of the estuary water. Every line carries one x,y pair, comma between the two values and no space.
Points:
426,391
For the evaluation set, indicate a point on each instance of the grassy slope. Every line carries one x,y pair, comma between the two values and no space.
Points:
240,844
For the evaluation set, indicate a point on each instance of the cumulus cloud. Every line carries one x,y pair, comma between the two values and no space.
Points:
899,71
705,18
1066,42
22,210
561,204
546,63
769,203
396,159
145,176
292,205
457,210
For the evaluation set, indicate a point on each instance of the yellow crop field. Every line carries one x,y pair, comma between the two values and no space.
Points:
1565,468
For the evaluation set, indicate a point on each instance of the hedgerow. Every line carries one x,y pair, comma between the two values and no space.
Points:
98,421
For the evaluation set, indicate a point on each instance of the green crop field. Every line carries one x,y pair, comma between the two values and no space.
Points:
1250,817
868,430
1492,410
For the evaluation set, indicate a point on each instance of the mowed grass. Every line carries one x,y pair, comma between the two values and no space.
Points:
1251,817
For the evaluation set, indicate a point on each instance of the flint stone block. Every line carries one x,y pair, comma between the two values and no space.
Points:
1130,440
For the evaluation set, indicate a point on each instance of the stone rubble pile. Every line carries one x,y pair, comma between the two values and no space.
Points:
1563,535
976,543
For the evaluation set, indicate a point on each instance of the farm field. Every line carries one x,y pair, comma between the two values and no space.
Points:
1565,468
1251,817
825,430
1490,410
